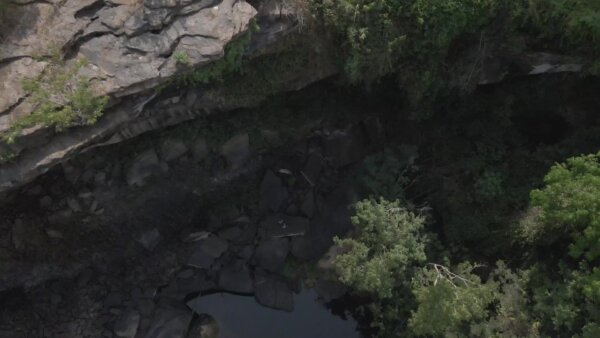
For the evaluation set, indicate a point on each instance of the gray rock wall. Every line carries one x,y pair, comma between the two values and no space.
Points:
131,47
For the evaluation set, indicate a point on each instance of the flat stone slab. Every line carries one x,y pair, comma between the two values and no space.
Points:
127,324
206,251
236,278
197,283
150,239
272,192
170,322
271,253
285,226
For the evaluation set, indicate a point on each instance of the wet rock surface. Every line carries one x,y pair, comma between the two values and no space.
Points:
272,253
206,251
127,324
274,293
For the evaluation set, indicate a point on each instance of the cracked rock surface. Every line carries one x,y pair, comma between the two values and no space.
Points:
131,48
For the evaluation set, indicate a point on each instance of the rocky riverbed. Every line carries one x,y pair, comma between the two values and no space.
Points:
123,238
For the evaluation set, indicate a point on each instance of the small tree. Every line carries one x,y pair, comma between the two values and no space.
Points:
388,241
569,204
461,305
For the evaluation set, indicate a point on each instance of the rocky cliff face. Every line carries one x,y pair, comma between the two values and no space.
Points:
129,44
132,48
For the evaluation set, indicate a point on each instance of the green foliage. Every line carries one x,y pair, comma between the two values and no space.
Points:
461,305
182,57
3,8
384,175
381,37
490,185
447,302
380,34
562,298
574,23
570,205
388,241
6,157
61,98
590,330
590,284
557,301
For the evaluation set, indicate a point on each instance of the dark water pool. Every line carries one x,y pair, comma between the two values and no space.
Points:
241,317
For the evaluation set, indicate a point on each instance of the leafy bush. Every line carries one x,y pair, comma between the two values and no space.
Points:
573,23
384,175
380,37
490,185
566,213
6,157
570,205
446,300
61,99
379,33
461,305
388,241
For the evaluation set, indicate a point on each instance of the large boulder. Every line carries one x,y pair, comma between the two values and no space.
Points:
274,293
169,322
272,192
144,166
335,221
172,149
237,150
236,278
271,253
150,239
199,149
206,251
285,226
127,324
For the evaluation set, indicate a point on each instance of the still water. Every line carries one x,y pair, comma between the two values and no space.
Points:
242,317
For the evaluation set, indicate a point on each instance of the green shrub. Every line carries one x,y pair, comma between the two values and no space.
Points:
181,57
572,23
447,301
490,185
379,35
388,241
414,38
384,175
6,157
61,99
570,206
460,304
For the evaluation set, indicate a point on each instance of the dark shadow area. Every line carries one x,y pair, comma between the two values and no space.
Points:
542,127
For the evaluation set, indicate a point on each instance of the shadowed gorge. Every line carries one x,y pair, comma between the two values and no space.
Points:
309,168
